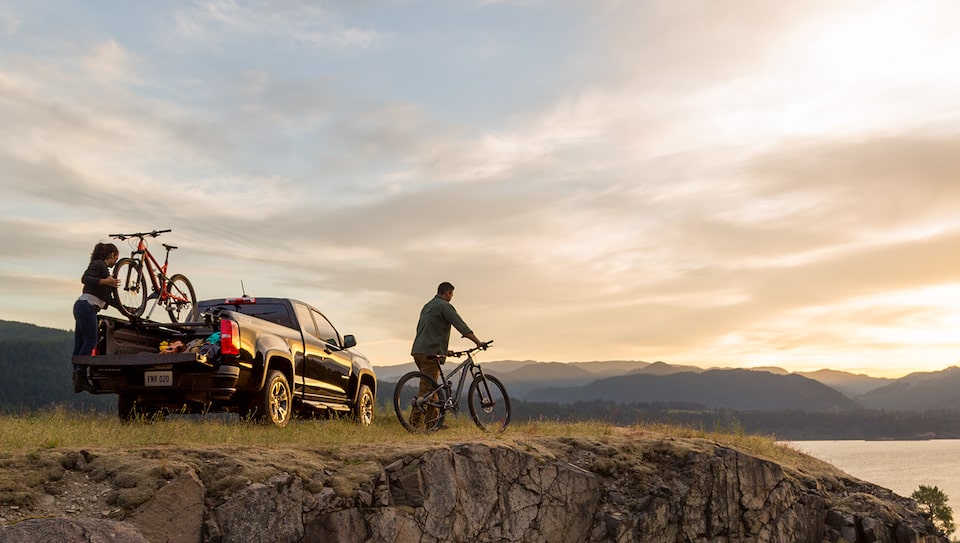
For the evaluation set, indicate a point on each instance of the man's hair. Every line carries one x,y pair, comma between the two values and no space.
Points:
444,288
103,250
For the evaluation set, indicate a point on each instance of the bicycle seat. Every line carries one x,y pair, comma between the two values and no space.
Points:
169,247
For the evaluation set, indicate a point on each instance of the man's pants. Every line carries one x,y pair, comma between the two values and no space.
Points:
431,368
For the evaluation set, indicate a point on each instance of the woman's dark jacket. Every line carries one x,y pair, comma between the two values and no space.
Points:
96,271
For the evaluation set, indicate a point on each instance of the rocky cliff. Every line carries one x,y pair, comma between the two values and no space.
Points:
627,486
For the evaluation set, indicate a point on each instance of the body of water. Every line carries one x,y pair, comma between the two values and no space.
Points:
901,466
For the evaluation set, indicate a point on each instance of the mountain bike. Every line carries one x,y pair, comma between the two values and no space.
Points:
174,293
487,398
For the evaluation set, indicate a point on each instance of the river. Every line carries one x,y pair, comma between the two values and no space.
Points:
901,466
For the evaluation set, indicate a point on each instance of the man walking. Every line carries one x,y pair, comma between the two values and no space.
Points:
433,338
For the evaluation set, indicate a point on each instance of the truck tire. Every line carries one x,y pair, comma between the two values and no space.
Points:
363,410
275,402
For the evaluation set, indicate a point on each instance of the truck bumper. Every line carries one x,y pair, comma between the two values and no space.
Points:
185,383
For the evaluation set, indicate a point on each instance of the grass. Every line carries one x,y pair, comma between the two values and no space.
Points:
65,429
60,428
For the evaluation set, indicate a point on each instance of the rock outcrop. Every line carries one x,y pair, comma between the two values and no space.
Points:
625,488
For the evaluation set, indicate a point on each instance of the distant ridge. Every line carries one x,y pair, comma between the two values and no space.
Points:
772,369
851,384
541,374
526,376
719,388
918,392
662,368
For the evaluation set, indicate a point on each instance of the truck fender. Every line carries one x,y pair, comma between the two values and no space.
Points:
276,360
363,377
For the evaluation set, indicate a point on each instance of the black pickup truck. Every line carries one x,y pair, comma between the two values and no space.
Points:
264,358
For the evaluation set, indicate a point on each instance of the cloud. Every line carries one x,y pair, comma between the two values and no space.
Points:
290,22
27,240
343,38
110,62
902,186
9,23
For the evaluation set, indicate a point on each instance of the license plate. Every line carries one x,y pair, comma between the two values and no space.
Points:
158,378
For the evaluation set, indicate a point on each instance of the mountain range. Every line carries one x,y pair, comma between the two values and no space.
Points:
35,372
764,388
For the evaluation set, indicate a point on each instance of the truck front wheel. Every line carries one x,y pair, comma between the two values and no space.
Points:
274,402
363,411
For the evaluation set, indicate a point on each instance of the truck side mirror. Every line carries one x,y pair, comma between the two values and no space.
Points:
349,341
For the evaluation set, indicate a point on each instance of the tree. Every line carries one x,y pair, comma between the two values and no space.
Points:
933,504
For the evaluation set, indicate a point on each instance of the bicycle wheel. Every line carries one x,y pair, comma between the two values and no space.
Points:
419,413
489,403
181,299
132,290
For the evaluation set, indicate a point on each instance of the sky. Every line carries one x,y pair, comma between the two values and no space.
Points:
729,183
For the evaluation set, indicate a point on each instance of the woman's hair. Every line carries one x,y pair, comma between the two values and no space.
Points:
102,250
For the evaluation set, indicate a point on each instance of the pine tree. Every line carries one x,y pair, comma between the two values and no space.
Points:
933,504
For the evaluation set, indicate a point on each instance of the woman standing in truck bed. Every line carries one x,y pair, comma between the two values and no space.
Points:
98,290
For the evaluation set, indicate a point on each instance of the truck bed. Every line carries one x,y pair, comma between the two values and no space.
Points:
129,358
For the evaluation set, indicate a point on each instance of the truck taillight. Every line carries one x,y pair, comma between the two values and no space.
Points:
229,338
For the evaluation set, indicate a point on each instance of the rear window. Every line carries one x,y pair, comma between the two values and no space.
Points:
273,312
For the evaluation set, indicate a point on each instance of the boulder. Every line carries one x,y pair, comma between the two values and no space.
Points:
80,530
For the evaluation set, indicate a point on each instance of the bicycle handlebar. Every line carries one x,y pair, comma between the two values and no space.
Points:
152,234
482,347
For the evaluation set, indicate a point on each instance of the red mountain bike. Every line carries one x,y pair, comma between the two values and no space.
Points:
174,293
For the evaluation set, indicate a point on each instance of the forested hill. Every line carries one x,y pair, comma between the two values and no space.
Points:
22,330
35,370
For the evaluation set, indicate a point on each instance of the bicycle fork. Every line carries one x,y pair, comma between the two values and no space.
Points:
136,259
483,388
135,280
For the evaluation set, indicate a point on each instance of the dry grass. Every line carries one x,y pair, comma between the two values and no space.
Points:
66,429
57,429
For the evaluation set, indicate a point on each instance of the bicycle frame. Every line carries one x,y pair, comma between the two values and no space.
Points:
156,271
174,292
453,400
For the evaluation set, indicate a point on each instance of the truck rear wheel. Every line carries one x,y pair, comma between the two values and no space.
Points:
274,402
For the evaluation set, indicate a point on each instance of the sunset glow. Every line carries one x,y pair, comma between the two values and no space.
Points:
733,184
